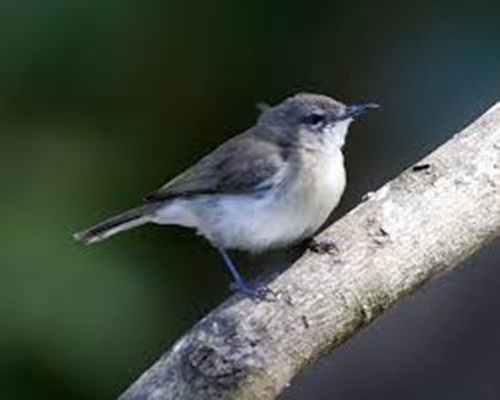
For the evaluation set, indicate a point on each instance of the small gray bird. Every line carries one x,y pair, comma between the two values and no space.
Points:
268,187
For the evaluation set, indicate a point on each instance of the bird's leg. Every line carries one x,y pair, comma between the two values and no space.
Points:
238,281
322,247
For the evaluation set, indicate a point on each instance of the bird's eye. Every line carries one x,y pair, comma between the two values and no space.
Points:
314,119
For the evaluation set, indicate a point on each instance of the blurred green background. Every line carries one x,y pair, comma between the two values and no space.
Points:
101,101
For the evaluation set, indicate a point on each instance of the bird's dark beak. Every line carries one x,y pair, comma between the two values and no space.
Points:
357,109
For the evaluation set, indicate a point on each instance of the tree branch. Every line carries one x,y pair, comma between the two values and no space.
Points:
424,222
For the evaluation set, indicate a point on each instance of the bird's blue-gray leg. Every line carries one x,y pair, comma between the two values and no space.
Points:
241,284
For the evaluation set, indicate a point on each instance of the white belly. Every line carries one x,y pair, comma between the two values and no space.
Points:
276,218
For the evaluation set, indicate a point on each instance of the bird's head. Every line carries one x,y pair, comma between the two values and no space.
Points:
311,118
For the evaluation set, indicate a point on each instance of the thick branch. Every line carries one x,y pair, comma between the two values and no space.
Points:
424,222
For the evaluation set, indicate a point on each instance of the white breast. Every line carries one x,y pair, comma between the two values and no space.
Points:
276,218
316,192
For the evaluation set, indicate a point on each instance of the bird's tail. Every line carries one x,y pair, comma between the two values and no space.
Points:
119,223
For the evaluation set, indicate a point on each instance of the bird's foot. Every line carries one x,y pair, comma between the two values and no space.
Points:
255,292
322,247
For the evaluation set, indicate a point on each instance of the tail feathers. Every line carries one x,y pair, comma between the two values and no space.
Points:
119,223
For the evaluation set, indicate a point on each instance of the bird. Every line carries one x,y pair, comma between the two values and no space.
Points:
272,186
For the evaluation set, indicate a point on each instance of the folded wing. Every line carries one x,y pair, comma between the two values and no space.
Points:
244,164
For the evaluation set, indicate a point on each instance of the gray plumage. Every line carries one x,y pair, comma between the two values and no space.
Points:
270,186
241,165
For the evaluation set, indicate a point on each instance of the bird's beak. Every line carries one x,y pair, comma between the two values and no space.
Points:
358,109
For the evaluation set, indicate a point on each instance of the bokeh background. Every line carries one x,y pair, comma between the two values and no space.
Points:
102,100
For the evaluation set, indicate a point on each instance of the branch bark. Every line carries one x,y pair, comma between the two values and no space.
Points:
424,222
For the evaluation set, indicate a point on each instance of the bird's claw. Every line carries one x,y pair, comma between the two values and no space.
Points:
322,247
255,292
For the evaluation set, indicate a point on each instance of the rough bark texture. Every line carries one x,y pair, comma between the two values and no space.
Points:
412,229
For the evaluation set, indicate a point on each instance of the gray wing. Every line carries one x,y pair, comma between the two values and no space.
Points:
243,164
